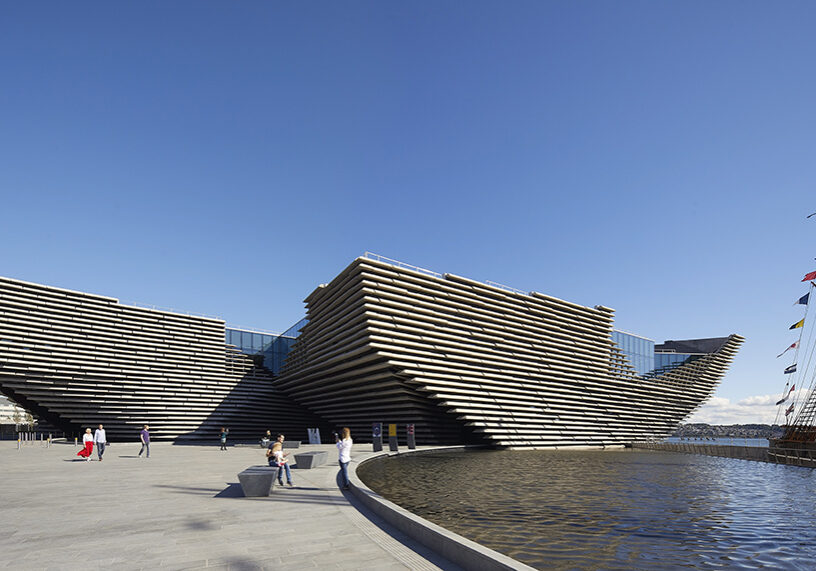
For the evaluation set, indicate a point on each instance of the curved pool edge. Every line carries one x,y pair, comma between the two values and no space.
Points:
452,546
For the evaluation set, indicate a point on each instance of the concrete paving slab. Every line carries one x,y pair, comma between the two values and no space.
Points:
183,509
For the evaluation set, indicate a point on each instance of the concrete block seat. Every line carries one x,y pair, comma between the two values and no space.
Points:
306,460
258,481
291,443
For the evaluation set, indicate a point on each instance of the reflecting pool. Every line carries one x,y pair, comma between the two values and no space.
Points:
621,509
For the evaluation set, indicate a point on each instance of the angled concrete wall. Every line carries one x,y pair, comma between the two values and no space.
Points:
465,360
77,360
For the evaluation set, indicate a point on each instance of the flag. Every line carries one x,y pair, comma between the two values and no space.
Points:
803,300
790,410
794,346
798,324
780,401
810,276
791,369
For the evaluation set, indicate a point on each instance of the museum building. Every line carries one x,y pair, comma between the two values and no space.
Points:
463,361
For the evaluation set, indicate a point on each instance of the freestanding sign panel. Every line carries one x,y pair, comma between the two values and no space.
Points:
376,436
314,435
392,438
411,438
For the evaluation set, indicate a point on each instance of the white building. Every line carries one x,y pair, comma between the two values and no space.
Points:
10,413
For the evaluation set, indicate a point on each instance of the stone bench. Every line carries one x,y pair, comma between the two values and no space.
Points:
306,460
291,443
257,481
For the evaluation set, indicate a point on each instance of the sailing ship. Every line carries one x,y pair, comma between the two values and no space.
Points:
797,445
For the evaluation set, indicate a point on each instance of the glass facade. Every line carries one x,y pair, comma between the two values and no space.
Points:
639,350
294,331
643,358
667,361
273,348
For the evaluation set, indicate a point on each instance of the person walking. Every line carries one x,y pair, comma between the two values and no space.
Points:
87,442
224,432
277,459
344,449
144,436
100,441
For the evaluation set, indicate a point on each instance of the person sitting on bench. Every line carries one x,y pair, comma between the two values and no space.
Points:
277,458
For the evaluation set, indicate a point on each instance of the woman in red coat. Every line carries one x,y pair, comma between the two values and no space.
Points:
87,440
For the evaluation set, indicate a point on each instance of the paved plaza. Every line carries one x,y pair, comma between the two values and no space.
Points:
183,509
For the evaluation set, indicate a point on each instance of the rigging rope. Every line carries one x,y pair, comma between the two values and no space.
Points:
800,374
803,421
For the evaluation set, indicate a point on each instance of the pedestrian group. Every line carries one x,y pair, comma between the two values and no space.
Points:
100,440
277,458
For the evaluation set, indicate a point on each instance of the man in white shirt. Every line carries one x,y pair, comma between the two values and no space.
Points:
100,441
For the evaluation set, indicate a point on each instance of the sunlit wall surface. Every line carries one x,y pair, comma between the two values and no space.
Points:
273,348
468,362
141,366
639,350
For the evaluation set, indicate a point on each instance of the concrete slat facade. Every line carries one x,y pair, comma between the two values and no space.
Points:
468,361
462,360
77,360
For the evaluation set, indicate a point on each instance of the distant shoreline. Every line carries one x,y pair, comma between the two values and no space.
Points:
728,430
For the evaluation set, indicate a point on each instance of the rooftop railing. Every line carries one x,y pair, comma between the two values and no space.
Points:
506,287
254,330
397,263
171,310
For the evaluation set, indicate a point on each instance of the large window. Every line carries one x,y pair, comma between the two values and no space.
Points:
273,348
668,361
639,351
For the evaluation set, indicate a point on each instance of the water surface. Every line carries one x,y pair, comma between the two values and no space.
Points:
626,509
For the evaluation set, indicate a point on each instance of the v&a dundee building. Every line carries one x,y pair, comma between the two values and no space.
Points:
464,361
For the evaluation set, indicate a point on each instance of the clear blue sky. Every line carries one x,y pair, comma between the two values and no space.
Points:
225,158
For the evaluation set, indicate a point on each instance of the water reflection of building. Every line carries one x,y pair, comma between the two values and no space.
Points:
383,342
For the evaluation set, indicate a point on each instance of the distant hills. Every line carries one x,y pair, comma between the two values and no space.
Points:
701,429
